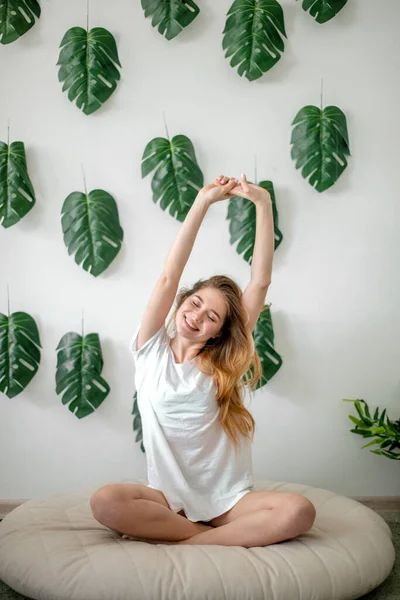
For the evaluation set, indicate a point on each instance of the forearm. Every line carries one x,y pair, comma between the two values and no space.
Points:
264,246
184,241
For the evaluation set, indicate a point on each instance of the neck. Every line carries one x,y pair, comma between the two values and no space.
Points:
182,351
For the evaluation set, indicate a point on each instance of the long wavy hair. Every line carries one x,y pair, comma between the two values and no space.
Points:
228,357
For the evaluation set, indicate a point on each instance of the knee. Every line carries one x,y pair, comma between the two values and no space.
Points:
302,512
102,502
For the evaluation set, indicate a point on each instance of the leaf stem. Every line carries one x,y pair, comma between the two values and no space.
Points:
165,123
322,85
84,179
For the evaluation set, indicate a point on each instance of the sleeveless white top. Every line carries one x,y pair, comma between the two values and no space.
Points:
189,456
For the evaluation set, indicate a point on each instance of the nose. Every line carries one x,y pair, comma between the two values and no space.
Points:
197,316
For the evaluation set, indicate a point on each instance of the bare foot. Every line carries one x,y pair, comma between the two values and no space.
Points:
148,540
200,526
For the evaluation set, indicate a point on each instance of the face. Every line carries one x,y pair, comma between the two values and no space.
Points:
205,310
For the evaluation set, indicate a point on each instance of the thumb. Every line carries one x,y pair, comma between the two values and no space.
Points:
244,184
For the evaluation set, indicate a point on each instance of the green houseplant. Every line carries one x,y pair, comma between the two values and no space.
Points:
387,433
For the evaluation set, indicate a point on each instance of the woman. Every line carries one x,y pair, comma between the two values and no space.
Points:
197,432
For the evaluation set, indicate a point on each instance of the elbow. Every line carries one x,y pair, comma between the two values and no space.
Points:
263,285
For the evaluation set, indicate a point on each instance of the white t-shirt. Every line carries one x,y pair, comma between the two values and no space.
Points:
190,458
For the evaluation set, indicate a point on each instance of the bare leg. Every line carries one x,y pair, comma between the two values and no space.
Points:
148,520
259,528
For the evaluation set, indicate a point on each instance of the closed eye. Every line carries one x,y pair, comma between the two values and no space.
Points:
208,315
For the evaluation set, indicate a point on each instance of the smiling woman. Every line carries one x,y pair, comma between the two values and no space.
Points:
198,319
197,432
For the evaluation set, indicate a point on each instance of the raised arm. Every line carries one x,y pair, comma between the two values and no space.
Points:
164,292
261,265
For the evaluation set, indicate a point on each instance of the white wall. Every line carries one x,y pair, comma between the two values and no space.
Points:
335,287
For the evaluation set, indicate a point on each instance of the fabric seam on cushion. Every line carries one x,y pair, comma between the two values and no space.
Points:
264,590
216,568
121,544
177,570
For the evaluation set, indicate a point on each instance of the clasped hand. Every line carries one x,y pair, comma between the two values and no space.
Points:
224,188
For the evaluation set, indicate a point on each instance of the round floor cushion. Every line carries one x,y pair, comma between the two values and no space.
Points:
52,548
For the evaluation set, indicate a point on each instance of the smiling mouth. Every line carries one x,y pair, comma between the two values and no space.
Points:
188,325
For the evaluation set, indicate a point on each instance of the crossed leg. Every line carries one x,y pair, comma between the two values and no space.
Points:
259,518
142,513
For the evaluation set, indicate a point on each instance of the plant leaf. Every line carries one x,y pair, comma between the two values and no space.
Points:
320,145
382,417
263,336
16,18
88,67
252,36
356,421
242,222
17,196
79,364
91,229
171,16
323,10
366,409
365,420
19,352
388,454
137,423
177,178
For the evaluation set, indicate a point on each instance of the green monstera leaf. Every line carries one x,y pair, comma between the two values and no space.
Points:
17,195
79,364
323,10
19,352
178,177
137,423
87,67
252,36
171,16
16,18
242,222
320,145
91,229
263,336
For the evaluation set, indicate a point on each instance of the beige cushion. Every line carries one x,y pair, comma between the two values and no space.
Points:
52,548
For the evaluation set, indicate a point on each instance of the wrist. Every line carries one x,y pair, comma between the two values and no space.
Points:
264,200
202,199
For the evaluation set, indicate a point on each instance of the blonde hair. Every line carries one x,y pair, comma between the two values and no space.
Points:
228,357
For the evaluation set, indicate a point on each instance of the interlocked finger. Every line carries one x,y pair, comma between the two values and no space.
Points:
230,184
